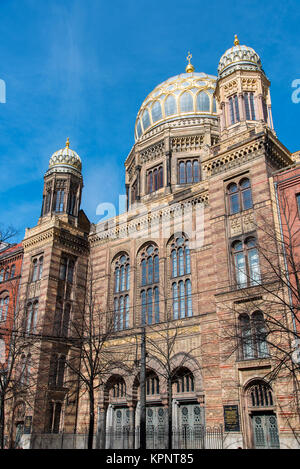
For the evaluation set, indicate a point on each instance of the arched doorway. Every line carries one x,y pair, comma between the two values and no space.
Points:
261,410
188,415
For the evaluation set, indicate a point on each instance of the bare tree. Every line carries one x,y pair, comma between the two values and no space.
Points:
6,234
90,358
16,363
263,321
163,344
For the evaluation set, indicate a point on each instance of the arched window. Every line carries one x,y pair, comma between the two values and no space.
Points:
234,109
152,383
41,261
118,389
150,279
6,274
260,395
31,319
155,179
249,106
239,195
146,119
59,200
170,106
4,301
1,275
66,270
37,268
203,102
246,262
188,171
156,112
181,269
183,381
12,271
72,203
253,336
186,102
139,128
121,289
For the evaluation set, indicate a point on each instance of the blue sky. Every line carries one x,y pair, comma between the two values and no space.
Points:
82,68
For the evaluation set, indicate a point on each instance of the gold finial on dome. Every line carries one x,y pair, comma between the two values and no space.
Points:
189,68
236,40
68,143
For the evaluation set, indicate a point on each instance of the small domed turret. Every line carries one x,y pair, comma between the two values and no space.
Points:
238,57
65,159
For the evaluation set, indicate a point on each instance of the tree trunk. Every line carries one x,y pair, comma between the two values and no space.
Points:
2,422
170,420
91,422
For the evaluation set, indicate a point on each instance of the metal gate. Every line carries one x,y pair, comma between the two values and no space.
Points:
265,431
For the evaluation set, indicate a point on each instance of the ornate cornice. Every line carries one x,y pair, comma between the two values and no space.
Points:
263,143
122,228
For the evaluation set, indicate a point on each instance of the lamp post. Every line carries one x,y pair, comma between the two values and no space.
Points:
143,391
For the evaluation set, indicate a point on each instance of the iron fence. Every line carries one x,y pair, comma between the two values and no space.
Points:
198,437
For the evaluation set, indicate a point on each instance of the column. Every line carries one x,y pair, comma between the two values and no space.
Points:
131,426
101,428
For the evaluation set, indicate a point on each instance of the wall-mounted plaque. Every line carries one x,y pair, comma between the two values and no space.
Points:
231,418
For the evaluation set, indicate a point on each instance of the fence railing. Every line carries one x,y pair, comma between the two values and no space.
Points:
198,437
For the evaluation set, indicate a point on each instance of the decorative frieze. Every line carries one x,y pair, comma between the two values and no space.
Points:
153,152
187,143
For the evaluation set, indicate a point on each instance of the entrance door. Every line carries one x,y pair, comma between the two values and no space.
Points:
190,426
265,431
121,428
155,427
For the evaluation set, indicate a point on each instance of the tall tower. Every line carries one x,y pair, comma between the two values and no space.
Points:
63,186
242,91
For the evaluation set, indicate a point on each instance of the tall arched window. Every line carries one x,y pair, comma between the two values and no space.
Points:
31,319
249,106
1,275
183,381
253,336
155,179
170,106
234,109
181,270
121,292
150,284
186,102
239,196
188,171
66,269
12,271
156,112
59,200
246,262
4,301
152,383
203,102
37,268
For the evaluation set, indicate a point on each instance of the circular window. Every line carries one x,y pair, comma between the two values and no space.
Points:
161,412
196,410
185,411
150,412
257,419
119,414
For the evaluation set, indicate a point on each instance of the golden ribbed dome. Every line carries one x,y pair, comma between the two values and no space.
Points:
186,95
65,159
